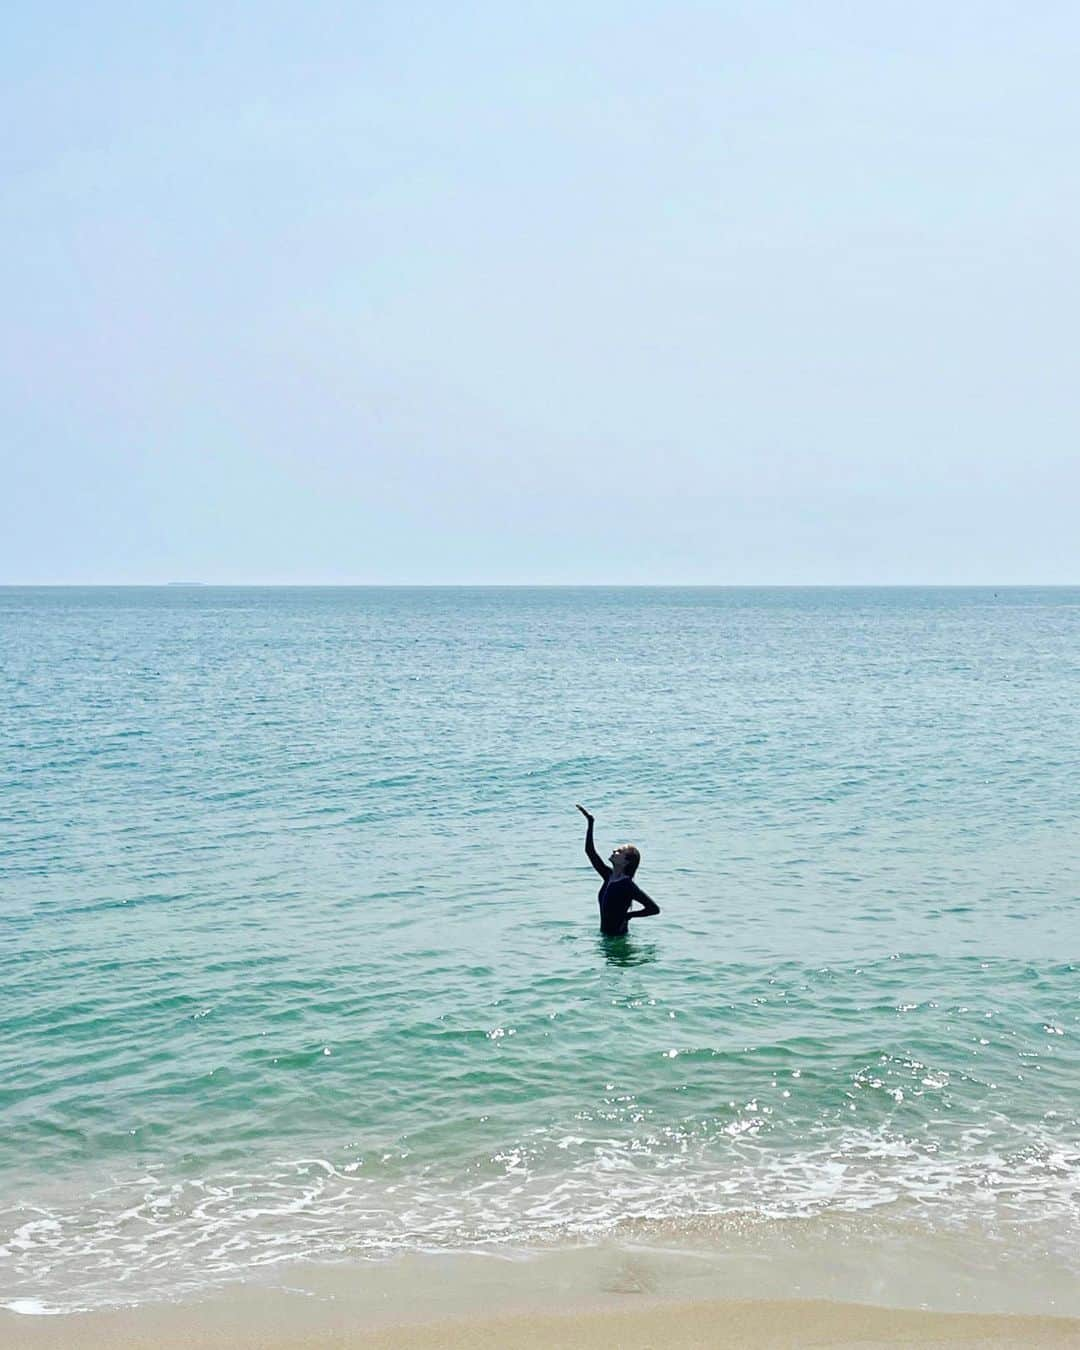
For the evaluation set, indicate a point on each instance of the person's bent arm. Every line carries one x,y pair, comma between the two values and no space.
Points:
590,847
648,907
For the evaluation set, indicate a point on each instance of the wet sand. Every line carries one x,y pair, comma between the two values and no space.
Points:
250,1323
826,1283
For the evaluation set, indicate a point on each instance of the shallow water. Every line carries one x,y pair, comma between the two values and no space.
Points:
299,944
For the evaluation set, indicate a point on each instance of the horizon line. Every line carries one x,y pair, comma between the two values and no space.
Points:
538,585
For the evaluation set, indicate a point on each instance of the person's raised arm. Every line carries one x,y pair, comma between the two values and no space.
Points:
590,847
648,907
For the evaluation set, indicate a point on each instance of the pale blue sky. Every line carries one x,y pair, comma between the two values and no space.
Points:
561,292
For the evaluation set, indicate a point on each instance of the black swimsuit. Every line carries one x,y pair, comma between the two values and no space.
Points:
616,896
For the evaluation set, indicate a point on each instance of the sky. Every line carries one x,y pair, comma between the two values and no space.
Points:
562,292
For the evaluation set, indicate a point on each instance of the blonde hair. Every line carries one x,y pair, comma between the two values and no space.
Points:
633,853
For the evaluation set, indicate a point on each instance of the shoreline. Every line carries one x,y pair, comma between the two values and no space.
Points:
836,1285
865,1258
284,1323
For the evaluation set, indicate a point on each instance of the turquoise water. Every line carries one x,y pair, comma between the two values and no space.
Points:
300,952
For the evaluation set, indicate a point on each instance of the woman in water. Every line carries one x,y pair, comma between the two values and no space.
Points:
619,890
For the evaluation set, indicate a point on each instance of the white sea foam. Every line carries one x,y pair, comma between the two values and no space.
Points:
33,1307
151,1238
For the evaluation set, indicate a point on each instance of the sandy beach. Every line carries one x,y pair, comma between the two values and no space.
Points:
851,1283
247,1323
632,1295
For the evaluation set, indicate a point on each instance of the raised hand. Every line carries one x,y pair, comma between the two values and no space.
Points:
588,815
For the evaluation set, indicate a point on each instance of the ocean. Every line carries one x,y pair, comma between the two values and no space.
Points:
299,949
